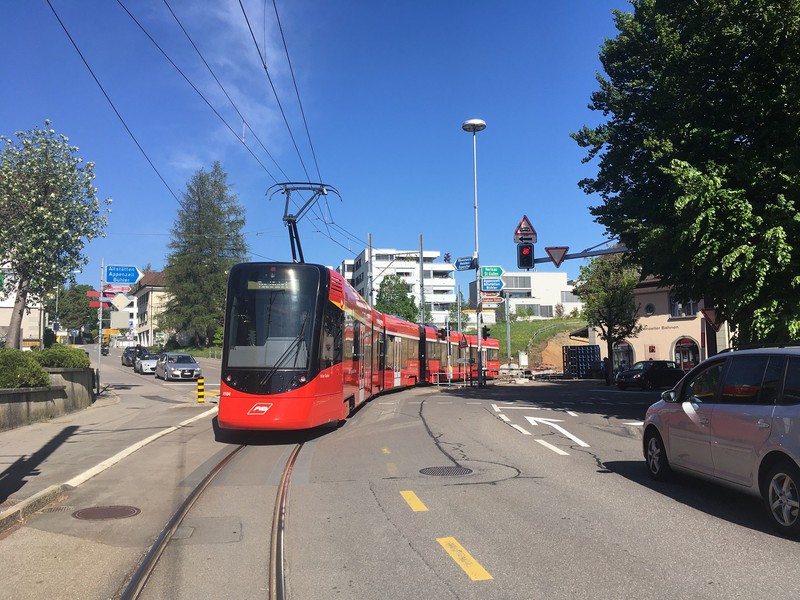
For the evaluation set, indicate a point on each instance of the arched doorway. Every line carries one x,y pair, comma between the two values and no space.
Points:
687,353
623,353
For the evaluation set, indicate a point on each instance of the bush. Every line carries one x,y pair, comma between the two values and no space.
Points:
58,356
19,369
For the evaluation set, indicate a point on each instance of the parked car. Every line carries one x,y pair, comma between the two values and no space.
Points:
104,350
735,420
173,365
146,363
128,356
650,374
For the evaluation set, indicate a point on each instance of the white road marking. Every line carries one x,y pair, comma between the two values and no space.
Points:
521,430
553,448
552,423
505,418
635,423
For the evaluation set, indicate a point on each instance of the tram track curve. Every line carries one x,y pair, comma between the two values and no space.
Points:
277,590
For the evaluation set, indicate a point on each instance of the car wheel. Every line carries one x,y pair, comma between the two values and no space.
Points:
648,384
656,454
782,497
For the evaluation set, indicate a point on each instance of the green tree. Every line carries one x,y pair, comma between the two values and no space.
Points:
73,308
393,299
606,287
699,160
207,241
48,210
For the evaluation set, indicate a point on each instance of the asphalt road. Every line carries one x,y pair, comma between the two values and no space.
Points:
507,492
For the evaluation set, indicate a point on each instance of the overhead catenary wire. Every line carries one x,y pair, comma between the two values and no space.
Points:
113,107
194,87
224,91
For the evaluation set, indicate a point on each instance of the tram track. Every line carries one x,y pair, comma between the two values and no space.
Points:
277,589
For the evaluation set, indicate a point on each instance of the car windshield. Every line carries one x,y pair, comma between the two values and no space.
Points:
181,359
639,366
150,356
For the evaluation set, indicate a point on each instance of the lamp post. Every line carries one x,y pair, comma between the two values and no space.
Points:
474,126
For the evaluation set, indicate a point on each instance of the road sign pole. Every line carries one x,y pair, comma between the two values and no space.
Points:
100,323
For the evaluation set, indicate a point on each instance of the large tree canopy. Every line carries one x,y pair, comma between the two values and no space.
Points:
207,241
48,211
699,160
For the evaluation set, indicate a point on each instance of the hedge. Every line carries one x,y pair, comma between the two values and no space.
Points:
19,369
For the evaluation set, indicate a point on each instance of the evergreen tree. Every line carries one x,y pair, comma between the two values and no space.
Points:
207,241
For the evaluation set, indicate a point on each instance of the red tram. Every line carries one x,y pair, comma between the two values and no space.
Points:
303,349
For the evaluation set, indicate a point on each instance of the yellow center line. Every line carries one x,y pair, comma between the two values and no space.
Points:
413,501
392,468
464,560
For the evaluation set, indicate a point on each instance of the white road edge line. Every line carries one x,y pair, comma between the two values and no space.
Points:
505,418
521,430
99,468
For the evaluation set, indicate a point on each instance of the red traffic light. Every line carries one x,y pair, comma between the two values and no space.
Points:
525,256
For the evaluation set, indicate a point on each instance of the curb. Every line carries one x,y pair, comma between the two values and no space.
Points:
19,512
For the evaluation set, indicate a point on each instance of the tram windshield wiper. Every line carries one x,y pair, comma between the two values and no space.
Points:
293,345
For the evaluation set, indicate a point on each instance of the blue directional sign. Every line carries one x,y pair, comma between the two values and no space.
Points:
464,264
127,274
492,284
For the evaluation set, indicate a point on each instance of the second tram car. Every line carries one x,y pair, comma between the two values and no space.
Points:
303,349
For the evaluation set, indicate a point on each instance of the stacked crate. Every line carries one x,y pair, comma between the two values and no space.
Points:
578,360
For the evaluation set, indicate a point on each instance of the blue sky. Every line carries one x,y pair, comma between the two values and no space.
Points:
385,87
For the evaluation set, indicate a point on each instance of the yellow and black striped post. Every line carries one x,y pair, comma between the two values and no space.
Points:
201,389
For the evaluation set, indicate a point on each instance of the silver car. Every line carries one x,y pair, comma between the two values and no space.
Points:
146,363
735,420
174,365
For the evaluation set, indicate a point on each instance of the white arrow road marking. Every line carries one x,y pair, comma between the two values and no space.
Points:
553,448
635,423
569,412
552,423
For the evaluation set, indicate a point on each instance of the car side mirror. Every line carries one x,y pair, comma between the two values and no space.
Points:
669,396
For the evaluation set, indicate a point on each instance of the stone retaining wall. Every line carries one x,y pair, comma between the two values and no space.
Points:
70,390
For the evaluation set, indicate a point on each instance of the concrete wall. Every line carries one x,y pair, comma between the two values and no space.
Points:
70,390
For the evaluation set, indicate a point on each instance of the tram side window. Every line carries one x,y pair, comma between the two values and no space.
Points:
331,337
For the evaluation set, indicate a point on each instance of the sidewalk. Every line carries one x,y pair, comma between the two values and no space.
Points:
42,461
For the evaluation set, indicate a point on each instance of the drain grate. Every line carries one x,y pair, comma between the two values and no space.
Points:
446,471
97,513
57,509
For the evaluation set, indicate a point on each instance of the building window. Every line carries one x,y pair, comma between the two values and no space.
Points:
682,309
569,297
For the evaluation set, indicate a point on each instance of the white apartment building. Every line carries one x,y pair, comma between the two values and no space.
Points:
539,293
438,283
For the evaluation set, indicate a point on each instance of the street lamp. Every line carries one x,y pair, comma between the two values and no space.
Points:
474,126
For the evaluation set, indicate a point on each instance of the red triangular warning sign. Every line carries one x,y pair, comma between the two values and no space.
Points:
557,254
525,233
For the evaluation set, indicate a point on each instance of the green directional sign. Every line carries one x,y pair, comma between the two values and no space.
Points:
493,271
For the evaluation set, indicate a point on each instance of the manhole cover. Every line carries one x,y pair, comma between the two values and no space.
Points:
446,471
106,512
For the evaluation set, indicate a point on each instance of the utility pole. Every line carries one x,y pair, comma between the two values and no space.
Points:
421,285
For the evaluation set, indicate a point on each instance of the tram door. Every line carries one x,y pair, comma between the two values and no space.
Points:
397,356
361,353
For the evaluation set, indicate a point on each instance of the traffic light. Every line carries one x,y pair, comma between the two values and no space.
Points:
441,334
485,332
525,256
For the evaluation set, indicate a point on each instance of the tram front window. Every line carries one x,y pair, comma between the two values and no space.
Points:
271,317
